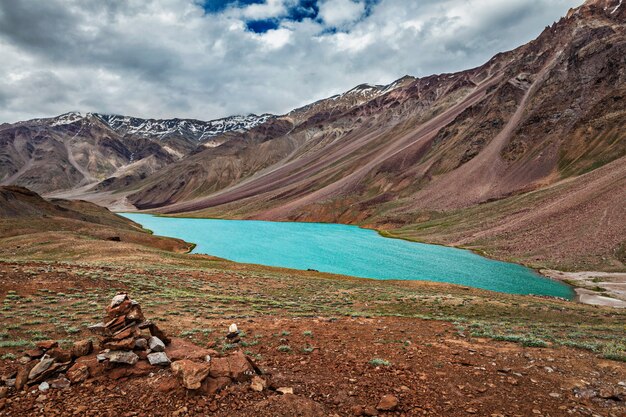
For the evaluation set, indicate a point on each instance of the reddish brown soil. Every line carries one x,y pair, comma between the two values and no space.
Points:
437,373
433,370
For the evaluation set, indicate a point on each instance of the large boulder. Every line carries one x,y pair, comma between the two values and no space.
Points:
60,355
47,344
140,369
123,344
211,386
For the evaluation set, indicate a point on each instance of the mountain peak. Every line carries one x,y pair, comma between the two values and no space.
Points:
197,130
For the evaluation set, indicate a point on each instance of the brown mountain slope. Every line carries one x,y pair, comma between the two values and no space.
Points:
574,224
546,112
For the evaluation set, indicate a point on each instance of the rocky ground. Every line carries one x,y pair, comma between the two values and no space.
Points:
342,346
346,366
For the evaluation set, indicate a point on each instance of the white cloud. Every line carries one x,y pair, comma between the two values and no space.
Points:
168,58
275,39
337,13
269,9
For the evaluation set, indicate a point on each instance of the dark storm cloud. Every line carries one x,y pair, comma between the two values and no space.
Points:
207,59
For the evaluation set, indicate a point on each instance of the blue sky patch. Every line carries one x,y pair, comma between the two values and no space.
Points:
262,26
217,6
297,11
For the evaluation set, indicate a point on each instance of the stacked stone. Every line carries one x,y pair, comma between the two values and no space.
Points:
122,335
47,361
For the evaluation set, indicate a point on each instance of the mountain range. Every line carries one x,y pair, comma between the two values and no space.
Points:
523,157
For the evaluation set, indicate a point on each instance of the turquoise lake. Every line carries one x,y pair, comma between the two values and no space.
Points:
348,250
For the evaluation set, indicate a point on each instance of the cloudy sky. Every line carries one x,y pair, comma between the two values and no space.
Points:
212,58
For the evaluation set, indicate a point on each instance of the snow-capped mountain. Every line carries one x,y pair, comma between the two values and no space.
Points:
197,130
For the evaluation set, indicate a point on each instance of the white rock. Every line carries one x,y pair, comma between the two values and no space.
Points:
118,299
44,386
233,328
129,358
285,390
158,358
207,358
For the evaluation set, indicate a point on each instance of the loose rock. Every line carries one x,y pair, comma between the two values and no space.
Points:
192,373
60,383
124,357
387,403
258,384
47,344
82,348
141,344
155,344
158,359
40,367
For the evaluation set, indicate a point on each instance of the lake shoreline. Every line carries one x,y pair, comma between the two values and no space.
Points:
606,289
352,251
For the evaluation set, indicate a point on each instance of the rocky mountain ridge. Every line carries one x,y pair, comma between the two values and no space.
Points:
197,130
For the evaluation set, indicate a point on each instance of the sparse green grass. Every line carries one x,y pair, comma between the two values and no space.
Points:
209,290
379,362
284,348
15,343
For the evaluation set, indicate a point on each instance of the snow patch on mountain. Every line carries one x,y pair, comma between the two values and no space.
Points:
196,129
164,128
66,119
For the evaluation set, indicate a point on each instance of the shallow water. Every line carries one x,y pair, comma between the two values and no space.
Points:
348,250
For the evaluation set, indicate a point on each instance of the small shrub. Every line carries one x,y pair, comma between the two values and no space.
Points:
72,330
379,362
284,348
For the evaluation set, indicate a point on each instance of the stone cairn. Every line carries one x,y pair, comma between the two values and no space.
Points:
132,346
122,334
